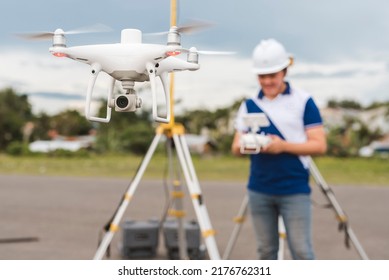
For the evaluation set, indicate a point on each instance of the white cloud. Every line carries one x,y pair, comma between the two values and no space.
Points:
220,81
36,72
362,81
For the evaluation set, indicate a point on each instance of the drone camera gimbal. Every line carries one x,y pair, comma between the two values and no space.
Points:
128,102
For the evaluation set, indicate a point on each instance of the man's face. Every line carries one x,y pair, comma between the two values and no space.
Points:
272,84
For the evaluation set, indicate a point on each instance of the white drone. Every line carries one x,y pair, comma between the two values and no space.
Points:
129,61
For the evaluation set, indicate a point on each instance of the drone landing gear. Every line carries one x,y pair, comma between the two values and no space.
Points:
176,134
333,203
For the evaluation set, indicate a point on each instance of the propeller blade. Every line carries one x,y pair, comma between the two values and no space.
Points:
90,29
215,53
36,35
187,28
156,33
49,35
194,26
193,49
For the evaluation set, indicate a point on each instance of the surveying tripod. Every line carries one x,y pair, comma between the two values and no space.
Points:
329,194
176,133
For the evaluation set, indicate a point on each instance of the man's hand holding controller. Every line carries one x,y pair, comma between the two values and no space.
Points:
252,143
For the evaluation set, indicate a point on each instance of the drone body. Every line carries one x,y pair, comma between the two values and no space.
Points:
128,62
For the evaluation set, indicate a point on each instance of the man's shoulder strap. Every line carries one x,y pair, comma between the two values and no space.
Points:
252,107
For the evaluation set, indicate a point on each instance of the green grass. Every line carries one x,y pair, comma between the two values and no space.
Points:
349,171
355,171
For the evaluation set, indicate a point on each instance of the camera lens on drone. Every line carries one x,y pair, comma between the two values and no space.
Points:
122,102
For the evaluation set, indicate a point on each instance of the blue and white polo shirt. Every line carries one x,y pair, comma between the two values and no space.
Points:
290,114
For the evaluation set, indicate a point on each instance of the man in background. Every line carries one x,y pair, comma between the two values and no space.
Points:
278,183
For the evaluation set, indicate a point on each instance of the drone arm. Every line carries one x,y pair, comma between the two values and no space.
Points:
163,76
96,68
172,63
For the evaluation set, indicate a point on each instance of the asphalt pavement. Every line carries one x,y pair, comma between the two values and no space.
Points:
61,218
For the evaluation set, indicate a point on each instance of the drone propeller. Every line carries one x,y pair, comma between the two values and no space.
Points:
36,35
187,28
193,26
194,50
48,35
216,53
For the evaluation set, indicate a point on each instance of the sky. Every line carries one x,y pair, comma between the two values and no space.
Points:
341,48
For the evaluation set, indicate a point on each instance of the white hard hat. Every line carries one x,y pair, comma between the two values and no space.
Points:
269,56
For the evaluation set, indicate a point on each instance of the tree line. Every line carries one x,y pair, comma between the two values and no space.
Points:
133,132
126,132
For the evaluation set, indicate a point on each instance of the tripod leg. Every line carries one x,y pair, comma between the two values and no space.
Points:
338,210
282,237
176,209
197,198
114,226
239,220
179,213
